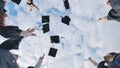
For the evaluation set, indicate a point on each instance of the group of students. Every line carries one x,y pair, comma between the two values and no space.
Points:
112,59
14,36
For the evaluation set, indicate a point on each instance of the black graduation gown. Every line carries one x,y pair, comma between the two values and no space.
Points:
114,13
12,32
102,65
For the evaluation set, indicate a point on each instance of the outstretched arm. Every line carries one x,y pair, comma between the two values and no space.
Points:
39,62
104,19
33,5
93,61
28,32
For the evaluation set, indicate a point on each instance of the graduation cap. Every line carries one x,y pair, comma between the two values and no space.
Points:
66,20
46,28
30,67
66,4
55,39
52,52
45,19
16,1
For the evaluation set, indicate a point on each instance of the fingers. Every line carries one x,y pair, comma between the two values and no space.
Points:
28,29
31,30
104,19
88,59
28,32
33,34
85,59
100,19
41,58
30,9
43,55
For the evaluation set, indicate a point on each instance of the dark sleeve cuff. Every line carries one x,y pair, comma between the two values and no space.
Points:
112,15
109,18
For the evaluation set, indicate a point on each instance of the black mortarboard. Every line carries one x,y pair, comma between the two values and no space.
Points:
55,39
46,28
16,1
45,19
52,52
66,20
66,4
30,67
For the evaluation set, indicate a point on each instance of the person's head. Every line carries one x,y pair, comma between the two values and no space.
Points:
2,19
108,3
15,56
109,57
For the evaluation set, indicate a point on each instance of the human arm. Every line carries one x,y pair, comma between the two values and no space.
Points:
93,61
104,19
28,32
33,5
39,62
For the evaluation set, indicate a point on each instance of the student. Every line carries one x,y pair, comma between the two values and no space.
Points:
93,62
115,61
31,4
114,13
11,44
14,32
108,58
38,64
97,65
14,44
15,36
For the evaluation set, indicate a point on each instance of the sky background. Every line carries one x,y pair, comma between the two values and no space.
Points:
83,38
